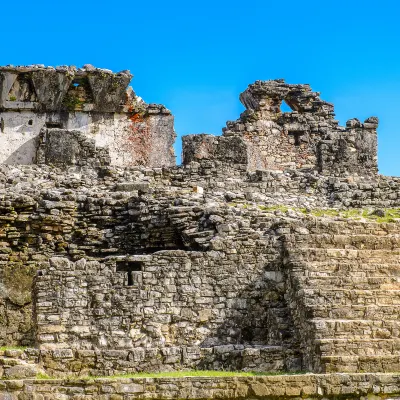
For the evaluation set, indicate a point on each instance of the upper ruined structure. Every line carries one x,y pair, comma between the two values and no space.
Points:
70,116
307,138
87,116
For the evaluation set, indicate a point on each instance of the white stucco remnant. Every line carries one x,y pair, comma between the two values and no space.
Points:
92,101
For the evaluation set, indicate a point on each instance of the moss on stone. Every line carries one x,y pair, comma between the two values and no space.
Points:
17,280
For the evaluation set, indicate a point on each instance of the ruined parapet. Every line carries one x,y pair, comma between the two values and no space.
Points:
62,88
266,97
353,151
307,138
95,102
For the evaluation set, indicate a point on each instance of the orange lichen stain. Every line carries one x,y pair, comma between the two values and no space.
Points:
139,138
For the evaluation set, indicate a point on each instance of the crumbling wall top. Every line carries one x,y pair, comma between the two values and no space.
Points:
308,137
267,96
62,88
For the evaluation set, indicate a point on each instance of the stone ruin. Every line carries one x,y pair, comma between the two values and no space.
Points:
308,138
273,248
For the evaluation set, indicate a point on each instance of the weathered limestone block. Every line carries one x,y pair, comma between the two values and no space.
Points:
51,87
62,147
109,90
21,372
207,147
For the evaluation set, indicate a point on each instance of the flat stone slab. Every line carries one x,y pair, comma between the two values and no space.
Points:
20,372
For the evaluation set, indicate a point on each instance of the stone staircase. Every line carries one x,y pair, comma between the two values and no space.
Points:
19,364
343,281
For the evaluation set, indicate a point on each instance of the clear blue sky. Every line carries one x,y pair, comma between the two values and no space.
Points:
197,56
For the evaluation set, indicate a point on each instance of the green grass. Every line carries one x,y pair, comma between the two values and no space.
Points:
177,374
274,208
391,214
4,348
43,376
181,374
325,213
357,214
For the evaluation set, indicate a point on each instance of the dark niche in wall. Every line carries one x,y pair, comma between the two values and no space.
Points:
52,125
129,267
296,137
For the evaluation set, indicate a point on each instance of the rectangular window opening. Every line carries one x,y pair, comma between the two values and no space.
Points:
129,267
297,136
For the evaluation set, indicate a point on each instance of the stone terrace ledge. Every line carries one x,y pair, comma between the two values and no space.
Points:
307,386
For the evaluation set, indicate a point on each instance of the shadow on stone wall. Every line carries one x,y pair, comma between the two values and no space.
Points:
21,155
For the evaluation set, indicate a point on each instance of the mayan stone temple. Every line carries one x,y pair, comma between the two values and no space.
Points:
272,251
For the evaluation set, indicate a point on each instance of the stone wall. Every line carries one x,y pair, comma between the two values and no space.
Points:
169,298
92,101
157,307
78,363
343,386
287,303
92,214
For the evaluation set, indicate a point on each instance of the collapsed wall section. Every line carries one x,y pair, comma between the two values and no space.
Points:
93,101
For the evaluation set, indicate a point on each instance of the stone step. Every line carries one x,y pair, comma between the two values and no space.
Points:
355,329
343,241
313,254
351,227
359,347
17,368
349,364
350,282
345,267
351,312
348,297
338,268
